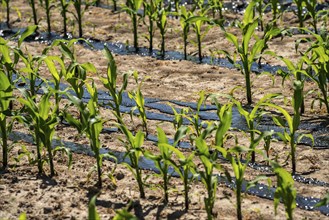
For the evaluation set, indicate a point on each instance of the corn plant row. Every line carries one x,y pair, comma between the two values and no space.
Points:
197,18
43,115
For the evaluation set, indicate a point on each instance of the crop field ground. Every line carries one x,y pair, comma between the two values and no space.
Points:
217,138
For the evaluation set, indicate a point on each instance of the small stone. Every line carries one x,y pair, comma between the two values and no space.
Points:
120,176
47,210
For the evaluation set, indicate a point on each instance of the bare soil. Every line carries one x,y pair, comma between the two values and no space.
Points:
66,195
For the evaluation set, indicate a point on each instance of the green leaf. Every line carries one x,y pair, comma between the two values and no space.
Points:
323,202
139,139
92,212
285,114
4,51
89,67
123,214
162,138
225,117
29,31
197,18
249,13
66,51
44,106
202,147
180,133
22,216
250,29
233,39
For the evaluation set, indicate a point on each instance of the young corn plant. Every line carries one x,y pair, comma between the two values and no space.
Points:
6,95
131,9
300,11
185,165
312,12
34,12
217,6
196,127
32,66
297,70
317,57
270,32
150,12
43,119
260,10
285,191
184,15
90,123
48,6
292,122
161,21
268,138
76,73
247,53
209,162
64,9
197,21
162,162
178,119
134,151
209,157
110,83
57,75
79,12
275,11
6,3
233,155
138,97
251,118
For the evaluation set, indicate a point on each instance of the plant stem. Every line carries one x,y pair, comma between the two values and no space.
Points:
38,143
293,156
252,140
79,20
185,45
57,98
34,12
151,35
186,189
209,201
199,47
248,85
165,184
50,155
64,7
48,17
135,32
4,143
8,17
99,169
140,184
163,45
114,5
238,199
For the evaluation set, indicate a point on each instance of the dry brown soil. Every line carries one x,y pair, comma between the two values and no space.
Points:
66,195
